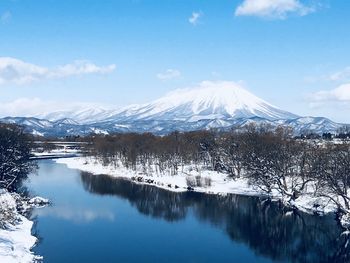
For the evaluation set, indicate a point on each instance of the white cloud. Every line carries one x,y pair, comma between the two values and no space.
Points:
339,94
272,8
81,67
194,18
19,72
16,71
25,107
341,75
5,17
28,107
169,74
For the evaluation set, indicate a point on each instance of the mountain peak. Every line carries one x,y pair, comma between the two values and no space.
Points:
220,104
216,96
210,100
216,102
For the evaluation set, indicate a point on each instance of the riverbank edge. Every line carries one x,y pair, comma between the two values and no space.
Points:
17,239
221,184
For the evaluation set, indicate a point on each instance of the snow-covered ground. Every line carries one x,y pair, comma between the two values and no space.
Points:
219,183
16,239
57,153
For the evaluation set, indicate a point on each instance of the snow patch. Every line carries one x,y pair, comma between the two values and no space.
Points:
16,239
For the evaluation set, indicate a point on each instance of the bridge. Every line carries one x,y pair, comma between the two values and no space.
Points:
56,149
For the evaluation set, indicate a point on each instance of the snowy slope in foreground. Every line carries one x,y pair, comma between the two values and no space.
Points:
16,240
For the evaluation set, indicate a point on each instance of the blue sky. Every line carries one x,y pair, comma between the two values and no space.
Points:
55,54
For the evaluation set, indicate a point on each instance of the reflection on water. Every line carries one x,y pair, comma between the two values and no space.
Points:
101,219
265,227
74,214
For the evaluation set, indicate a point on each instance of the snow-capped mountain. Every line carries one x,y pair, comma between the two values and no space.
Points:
211,101
211,105
81,116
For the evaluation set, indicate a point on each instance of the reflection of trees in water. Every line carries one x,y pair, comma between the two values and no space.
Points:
262,225
148,200
271,231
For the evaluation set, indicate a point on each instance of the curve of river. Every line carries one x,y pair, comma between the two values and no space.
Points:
102,219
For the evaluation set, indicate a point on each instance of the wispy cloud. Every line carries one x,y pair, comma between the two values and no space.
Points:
215,74
338,95
5,17
169,74
37,107
342,75
16,71
278,9
194,18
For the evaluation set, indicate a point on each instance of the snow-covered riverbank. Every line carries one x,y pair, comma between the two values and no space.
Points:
209,182
55,154
16,239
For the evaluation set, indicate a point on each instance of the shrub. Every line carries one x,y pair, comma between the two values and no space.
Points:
198,181
191,181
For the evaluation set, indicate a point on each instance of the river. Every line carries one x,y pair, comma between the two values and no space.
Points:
100,219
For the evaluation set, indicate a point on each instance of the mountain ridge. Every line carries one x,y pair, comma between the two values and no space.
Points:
211,100
218,105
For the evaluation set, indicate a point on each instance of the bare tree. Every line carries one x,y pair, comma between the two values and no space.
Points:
14,156
334,174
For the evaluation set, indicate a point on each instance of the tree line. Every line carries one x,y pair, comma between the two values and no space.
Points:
15,148
270,158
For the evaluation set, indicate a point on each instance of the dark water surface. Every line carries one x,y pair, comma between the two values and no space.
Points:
101,219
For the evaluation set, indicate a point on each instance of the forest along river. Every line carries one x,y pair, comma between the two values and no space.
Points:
101,219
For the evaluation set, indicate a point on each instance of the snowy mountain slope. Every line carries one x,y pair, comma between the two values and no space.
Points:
211,100
302,125
29,122
220,105
82,116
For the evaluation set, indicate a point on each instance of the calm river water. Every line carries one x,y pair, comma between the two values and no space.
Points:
101,219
